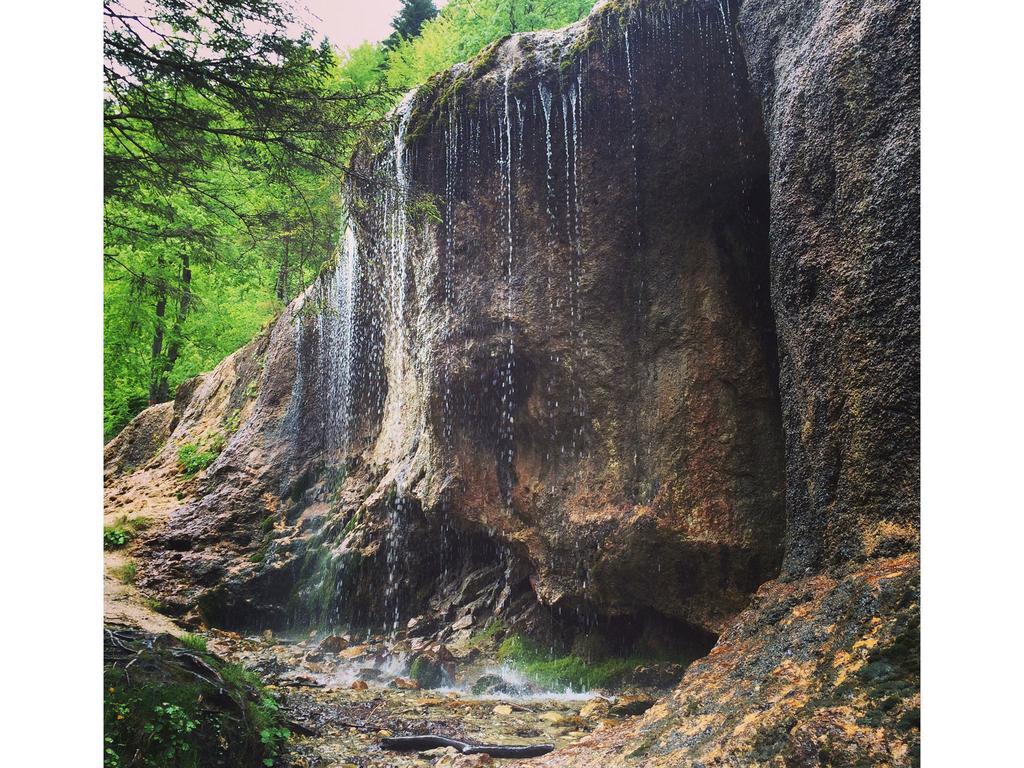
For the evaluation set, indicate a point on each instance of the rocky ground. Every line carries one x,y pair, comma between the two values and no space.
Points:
341,695
341,708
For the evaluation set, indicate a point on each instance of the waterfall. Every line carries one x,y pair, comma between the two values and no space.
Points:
507,377
451,171
723,11
550,402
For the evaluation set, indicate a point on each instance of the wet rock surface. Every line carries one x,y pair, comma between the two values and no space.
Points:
569,378
560,408
839,83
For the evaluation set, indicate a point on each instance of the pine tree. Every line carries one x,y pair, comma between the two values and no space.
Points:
409,20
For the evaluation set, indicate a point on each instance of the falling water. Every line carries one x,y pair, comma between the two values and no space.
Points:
724,12
507,378
549,202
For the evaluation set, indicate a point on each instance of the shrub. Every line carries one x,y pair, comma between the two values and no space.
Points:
164,715
191,459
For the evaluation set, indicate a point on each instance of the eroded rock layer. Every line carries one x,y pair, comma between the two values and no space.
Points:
547,349
823,667
541,381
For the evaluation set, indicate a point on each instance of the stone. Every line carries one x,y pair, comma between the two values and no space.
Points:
643,374
434,667
843,123
630,706
359,685
485,683
430,702
654,676
597,707
405,683
502,709
332,644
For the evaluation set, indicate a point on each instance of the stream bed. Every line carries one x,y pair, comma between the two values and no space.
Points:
340,705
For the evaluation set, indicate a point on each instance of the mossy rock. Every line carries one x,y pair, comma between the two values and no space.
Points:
427,673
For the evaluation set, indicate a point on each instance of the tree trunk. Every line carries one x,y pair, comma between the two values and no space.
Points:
178,330
155,362
282,275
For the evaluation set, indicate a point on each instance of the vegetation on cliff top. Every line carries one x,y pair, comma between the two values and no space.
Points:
225,137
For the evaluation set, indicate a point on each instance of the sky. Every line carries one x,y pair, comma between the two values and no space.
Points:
348,23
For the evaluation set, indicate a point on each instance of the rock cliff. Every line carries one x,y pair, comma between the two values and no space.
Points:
547,344
625,323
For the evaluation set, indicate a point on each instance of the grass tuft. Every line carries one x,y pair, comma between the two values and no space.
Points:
194,642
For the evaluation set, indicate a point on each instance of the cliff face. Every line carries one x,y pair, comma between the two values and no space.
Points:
839,84
610,295
823,666
548,343
579,355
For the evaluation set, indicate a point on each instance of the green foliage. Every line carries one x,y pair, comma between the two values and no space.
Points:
194,642
115,538
164,716
463,28
191,459
123,531
410,19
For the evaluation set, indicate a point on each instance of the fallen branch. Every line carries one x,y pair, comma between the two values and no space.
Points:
416,743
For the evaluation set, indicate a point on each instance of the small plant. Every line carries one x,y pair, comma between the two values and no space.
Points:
123,531
194,642
234,421
191,459
170,728
273,739
153,604
115,538
124,573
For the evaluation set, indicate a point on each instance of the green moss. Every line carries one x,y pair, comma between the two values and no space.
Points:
488,634
423,208
233,421
485,60
194,642
571,670
426,673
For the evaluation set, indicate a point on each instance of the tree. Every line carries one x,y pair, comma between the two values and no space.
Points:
225,134
409,21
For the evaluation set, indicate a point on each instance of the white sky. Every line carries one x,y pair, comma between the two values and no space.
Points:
348,23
